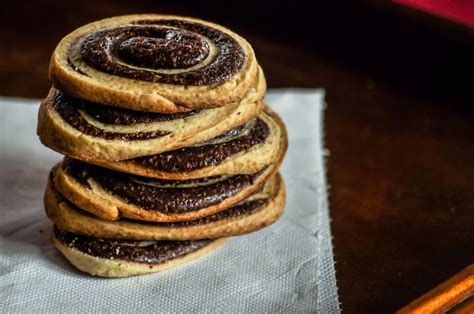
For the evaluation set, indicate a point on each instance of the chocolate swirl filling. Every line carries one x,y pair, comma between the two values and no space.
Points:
219,148
148,252
163,48
166,196
160,51
69,109
243,209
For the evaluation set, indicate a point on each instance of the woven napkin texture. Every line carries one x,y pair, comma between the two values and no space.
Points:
286,267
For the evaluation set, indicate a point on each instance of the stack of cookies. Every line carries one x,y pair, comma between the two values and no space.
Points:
169,148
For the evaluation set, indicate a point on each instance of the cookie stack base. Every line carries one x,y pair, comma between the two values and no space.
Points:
117,267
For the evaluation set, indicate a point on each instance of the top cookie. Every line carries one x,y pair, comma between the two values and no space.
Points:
157,63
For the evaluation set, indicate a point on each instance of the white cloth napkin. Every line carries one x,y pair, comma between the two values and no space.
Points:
286,267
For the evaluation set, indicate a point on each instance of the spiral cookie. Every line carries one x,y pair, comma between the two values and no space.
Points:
93,132
245,149
255,212
122,258
157,63
111,195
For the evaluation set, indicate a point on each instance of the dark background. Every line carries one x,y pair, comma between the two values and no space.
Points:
399,123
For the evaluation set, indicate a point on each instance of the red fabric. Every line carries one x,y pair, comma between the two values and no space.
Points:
457,10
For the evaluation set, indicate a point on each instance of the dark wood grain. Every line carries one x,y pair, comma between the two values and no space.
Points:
399,123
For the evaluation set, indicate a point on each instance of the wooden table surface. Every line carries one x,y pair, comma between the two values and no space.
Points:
399,123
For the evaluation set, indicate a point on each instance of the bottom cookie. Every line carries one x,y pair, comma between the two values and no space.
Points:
122,258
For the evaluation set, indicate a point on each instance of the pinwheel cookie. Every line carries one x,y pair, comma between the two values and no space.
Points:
259,210
111,195
157,63
93,132
122,258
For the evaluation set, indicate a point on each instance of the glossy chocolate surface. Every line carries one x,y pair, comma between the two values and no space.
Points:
141,50
235,212
240,210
